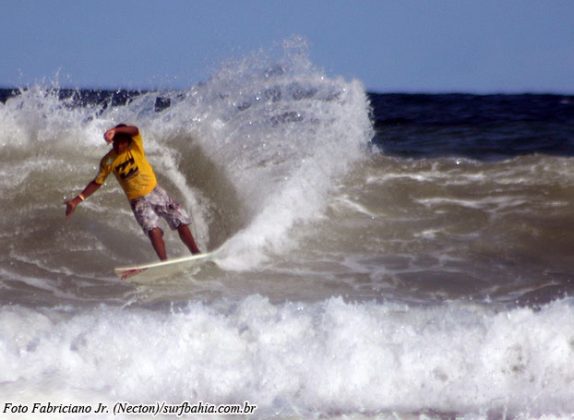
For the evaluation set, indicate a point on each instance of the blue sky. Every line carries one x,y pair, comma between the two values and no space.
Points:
480,46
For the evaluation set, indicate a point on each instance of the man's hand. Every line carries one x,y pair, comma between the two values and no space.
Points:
71,205
109,135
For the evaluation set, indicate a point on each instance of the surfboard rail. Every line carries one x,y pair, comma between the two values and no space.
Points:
128,272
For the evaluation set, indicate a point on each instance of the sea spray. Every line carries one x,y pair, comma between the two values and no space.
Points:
282,132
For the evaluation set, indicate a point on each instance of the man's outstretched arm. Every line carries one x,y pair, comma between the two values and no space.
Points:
71,205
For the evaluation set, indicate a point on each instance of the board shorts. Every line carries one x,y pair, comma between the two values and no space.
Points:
149,208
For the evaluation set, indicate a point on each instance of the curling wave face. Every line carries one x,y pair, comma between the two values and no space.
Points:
251,152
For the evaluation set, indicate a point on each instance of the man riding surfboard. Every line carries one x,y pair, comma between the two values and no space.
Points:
147,199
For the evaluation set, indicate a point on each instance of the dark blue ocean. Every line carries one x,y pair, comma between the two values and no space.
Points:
380,255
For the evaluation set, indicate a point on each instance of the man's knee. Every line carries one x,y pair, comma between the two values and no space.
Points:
183,227
156,233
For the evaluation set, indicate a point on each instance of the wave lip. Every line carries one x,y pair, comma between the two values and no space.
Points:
282,133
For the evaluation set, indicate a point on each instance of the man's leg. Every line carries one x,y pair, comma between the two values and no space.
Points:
156,237
187,238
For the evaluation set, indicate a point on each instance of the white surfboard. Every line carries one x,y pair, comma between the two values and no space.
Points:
151,271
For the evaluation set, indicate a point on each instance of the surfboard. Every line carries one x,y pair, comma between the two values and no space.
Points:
151,271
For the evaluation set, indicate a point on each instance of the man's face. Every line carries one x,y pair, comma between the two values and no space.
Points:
121,146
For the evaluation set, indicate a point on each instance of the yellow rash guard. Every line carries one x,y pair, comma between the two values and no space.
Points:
131,168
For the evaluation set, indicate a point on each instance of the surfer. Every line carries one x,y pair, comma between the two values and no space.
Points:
147,199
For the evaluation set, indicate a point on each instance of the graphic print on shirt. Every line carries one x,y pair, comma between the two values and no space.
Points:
127,169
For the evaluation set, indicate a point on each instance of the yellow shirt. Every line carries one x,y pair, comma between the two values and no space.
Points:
131,168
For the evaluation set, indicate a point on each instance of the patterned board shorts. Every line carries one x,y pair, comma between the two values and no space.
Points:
156,204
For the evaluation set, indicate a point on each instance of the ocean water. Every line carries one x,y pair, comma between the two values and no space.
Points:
389,256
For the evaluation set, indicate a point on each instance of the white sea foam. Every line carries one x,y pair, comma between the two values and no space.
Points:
328,357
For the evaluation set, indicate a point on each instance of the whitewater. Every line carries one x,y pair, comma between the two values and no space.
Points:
350,282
